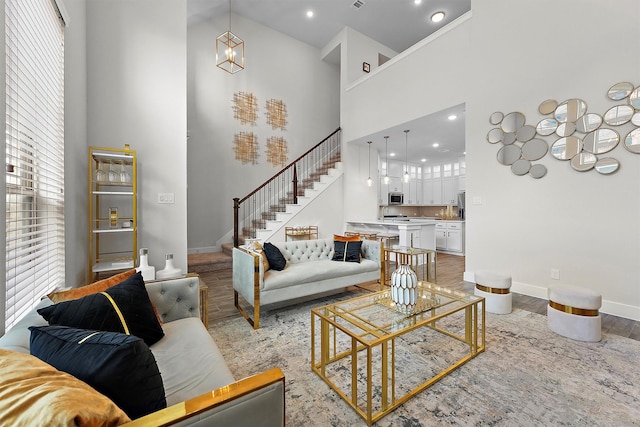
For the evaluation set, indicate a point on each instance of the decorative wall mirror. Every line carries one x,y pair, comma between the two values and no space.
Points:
565,148
508,154
566,129
607,166
496,118
548,106
620,91
636,119
583,162
525,133
601,141
495,135
546,126
538,171
570,110
618,115
512,122
588,123
634,98
509,138
534,149
521,167
632,141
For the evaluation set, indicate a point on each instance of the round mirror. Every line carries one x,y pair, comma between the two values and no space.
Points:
547,126
512,122
534,149
570,110
632,141
601,141
566,129
565,148
620,91
607,165
548,106
525,133
634,99
495,135
509,138
618,115
538,171
521,167
636,119
583,162
496,118
508,154
588,122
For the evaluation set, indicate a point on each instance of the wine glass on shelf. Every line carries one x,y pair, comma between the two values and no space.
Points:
101,174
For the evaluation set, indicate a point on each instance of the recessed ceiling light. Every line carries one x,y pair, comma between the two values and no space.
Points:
392,154
465,153
417,1
309,13
435,145
437,17
423,160
452,117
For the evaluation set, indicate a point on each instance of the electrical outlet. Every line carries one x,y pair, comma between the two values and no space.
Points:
555,273
165,198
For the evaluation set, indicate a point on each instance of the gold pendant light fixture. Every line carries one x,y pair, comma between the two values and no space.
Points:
406,164
386,159
230,50
369,180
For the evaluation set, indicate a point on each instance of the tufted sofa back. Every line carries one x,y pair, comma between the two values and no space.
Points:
311,250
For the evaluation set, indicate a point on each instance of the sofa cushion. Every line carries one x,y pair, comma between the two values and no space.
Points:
119,366
93,288
315,271
97,311
346,251
276,260
33,393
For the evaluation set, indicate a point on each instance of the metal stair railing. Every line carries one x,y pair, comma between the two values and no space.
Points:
262,204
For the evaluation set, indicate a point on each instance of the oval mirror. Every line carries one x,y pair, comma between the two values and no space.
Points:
525,133
634,99
607,166
508,154
509,138
521,167
636,119
547,126
583,162
618,115
496,118
495,135
588,123
548,106
566,129
538,171
632,141
601,141
565,148
512,122
620,91
534,149
570,110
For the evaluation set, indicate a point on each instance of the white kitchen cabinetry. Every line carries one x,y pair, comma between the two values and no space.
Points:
450,190
432,191
450,237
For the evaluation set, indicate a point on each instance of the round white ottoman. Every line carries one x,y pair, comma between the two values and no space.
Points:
496,290
573,312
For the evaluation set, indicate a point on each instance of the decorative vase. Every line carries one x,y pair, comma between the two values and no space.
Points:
404,288
169,271
148,271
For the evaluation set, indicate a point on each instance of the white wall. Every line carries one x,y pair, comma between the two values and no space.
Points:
277,67
501,60
136,79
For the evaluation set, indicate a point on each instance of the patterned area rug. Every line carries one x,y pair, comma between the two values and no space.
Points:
527,376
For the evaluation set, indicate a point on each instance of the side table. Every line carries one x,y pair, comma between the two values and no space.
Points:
421,261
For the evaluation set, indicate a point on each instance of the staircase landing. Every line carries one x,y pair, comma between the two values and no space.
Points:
211,261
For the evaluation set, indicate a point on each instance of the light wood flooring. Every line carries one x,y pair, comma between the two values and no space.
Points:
450,270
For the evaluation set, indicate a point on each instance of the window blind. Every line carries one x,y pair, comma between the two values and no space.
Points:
34,49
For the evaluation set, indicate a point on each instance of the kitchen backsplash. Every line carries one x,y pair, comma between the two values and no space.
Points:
415,211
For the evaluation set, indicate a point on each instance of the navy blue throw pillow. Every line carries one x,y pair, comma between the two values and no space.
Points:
346,251
119,366
274,256
126,308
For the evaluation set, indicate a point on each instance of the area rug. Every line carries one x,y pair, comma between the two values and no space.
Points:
527,376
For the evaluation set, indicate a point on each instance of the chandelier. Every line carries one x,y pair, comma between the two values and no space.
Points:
230,50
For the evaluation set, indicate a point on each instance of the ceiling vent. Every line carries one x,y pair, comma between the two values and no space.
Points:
357,4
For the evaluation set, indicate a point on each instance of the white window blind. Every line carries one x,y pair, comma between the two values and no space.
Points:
34,38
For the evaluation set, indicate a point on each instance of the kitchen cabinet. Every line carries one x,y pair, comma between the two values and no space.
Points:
450,190
113,221
450,237
432,191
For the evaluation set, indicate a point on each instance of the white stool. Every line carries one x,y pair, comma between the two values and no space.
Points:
495,288
573,313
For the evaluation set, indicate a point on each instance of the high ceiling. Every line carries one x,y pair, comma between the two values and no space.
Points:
397,24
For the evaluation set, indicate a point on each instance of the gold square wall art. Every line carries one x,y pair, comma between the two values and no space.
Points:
276,114
277,151
245,144
245,108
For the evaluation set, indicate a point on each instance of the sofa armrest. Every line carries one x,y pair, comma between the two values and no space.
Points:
176,298
252,401
247,280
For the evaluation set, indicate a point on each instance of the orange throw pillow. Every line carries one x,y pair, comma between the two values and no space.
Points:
94,288
339,238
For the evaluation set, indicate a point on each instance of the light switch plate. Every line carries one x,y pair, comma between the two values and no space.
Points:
477,200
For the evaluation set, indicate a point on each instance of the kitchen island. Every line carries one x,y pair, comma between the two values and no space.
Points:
419,233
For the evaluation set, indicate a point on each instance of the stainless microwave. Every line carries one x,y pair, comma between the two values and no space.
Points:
396,198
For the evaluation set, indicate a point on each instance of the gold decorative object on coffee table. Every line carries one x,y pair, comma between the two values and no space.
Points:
361,346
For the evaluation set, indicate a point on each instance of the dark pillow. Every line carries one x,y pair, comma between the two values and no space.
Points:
274,256
97,311
119,366
346,251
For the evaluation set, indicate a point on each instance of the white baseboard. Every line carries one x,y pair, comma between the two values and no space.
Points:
204,250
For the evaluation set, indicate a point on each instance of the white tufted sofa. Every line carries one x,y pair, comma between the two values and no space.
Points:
309,271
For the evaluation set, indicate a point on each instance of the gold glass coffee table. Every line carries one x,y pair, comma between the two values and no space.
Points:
377,358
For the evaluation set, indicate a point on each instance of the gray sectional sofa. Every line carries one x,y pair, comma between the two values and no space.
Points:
309,271
200,390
